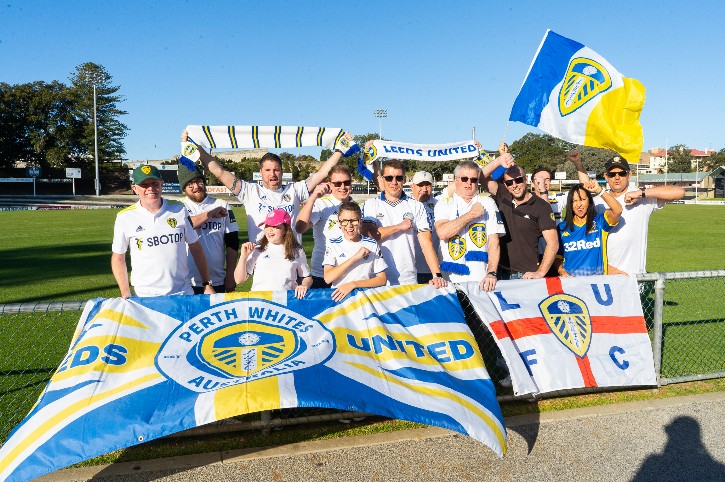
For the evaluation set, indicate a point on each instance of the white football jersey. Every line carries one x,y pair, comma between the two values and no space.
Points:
399,249
339,250
323,218
211,236
273,272
159,265
465,255
259,200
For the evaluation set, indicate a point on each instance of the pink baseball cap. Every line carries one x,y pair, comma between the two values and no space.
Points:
276,217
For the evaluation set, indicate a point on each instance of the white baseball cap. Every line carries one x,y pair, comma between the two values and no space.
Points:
422,176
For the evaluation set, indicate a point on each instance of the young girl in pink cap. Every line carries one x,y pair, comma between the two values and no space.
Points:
278,261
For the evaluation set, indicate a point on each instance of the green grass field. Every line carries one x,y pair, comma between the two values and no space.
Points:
65,255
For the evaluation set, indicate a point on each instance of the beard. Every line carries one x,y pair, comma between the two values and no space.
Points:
197,196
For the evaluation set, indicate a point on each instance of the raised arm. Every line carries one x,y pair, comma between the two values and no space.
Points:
225,177
322,173
615,209
303,218
576,158
504,160
663,194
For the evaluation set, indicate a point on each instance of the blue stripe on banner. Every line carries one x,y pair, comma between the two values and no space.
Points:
319,136
300,131
547,70
106,431
233,137
207,133
470,388
339,136
255,136
277,132
447,306
331,385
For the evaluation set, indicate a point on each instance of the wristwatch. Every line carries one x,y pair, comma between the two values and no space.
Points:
206,283
492,273
643,192
437,275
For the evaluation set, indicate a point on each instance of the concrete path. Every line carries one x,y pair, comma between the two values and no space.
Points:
676,439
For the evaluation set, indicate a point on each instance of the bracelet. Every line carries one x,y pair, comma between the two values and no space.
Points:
643,192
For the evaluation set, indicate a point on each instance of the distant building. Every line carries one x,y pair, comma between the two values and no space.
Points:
658,158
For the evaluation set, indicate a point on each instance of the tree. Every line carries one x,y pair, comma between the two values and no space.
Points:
679,159
111,130
534,150
593,159
713,161
37,125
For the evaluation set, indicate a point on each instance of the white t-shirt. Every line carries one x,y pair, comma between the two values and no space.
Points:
258,201
273,272
420,264
339,250
211,236
323,219
465,255
627,241
399,249
159,265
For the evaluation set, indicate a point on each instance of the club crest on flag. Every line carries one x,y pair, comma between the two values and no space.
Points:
568,319
238,342
247,348
371,153
456,247
584,80
171,222
477,233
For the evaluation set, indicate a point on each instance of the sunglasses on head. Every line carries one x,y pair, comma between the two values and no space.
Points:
516,180
474,180
341,183
397,178
613,174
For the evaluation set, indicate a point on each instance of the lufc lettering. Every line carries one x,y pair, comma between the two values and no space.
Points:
430,152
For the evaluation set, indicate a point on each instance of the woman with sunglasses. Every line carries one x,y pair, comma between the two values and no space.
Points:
583,233
352,260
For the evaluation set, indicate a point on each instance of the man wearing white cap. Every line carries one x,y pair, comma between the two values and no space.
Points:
422,189
157,232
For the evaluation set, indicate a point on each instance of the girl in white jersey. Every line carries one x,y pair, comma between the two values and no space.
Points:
278,261
352,260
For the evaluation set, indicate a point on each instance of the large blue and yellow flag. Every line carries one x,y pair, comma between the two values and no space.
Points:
143,368
574,94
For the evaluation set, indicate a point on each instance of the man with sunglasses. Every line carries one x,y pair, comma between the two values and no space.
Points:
421,188
396,221
627,242
217,228
527,218
469,225
320,212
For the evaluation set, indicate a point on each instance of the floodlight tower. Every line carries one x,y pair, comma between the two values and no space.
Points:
380,113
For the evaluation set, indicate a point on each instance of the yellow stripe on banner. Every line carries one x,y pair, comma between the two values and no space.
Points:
233,137
250,397
614,121
277,134
207,133
255,136
61,416
120,318
300,130
319,136
370,298
339,136
455,351
438,393
260,295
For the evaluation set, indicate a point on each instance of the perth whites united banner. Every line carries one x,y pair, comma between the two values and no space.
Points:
143,368
563,333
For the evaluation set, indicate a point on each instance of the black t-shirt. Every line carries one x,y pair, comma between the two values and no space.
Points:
524,225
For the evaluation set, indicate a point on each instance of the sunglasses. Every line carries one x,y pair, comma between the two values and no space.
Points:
397,178
341,183
345,222
516,180
474,180
613,174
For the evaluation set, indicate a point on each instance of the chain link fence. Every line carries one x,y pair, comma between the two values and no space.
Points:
684,312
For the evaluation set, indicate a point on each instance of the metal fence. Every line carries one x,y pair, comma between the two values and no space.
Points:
685,315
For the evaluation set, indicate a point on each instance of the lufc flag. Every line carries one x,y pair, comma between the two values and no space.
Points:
563,333
143,368
574,94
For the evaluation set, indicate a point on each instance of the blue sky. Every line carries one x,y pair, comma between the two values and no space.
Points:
439,68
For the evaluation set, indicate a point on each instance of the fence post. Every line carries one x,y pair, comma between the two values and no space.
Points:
266,418
658,309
